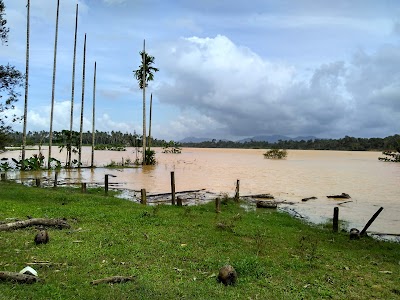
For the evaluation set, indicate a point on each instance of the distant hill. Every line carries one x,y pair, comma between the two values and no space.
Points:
258,138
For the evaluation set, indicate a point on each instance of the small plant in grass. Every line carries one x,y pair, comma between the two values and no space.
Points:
276,154
307,248
259,239
229,224
225,198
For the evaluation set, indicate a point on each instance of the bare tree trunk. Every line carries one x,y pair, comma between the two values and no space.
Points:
26,81
151,109
144,102
83,101
73,90
60,223
53,86
18,277
94,111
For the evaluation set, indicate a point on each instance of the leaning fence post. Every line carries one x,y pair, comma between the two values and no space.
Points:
370,221
336,219
173,187
143,198
237,190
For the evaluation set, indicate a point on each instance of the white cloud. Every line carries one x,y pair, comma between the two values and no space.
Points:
235,89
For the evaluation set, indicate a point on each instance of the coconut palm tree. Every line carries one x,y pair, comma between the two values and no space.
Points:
143,75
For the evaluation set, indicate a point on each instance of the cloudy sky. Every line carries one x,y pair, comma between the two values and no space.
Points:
228,69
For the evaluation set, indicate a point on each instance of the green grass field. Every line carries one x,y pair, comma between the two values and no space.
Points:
176,252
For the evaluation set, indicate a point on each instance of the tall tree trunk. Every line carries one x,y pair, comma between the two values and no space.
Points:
73,90
144,101
151,109
94,111
53,86
26,81
82,104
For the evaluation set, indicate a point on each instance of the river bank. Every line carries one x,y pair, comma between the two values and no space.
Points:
275,255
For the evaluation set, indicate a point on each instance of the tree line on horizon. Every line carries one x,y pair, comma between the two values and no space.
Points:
117,138
344,144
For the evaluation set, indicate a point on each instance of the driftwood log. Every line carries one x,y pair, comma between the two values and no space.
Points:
58,223
266,204
308,198
113,279
18,277
260,196
341,196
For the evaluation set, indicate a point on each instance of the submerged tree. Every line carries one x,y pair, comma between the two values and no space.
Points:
10,80
392,155
275,154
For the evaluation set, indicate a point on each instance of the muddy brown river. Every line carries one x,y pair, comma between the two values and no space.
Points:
370,183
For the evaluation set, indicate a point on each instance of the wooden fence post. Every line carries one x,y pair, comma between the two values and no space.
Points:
143,198
106,182
173,187
83,187
217,205
237,190
336,219
55,179
3,177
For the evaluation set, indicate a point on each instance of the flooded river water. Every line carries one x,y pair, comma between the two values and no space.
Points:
370,183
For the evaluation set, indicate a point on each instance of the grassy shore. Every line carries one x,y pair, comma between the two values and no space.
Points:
176,252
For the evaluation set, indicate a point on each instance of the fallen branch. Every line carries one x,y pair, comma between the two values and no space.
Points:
18,277
113,279
59,223
341,196
181,192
